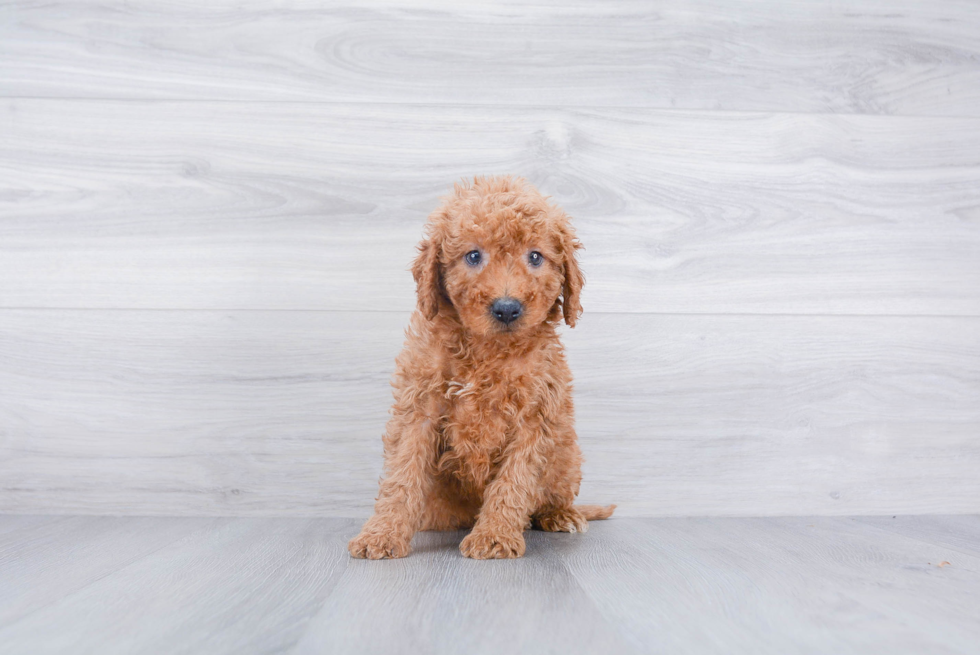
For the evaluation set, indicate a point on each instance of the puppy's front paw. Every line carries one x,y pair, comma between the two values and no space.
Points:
568,519
378,545
484,545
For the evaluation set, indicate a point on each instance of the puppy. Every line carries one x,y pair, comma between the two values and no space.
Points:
481,434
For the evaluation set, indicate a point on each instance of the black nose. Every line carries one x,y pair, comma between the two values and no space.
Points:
506,310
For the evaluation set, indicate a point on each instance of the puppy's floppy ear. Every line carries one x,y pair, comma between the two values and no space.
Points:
574,280
427,271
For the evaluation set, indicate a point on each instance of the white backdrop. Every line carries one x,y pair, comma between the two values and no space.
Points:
207,214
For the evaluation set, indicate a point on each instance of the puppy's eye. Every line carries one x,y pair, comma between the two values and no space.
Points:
535,259
473,257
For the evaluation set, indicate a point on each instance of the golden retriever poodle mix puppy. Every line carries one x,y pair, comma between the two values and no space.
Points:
482,431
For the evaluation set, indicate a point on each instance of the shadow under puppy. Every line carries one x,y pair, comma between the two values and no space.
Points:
481,433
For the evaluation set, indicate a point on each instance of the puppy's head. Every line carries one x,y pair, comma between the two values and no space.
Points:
499,257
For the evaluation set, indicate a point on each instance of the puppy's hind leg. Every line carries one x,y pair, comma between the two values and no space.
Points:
596,512
558,513
570,519
560,519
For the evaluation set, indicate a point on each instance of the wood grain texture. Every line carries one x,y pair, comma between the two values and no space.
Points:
299,206
266,413
244,586
960,533
437,601
41,562
780,201
907,57
227,587
788,585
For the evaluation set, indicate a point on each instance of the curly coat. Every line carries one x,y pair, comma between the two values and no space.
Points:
481,433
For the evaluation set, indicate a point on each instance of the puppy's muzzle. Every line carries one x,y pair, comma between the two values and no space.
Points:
506,310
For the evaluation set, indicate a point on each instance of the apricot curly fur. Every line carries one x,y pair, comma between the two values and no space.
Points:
481,433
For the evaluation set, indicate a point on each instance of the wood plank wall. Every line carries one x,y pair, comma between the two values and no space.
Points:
207,211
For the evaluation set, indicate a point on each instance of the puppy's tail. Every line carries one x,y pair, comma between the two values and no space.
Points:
596,512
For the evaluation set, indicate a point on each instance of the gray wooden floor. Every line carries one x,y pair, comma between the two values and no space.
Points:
250,585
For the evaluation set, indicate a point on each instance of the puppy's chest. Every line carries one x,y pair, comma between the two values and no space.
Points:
481,416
